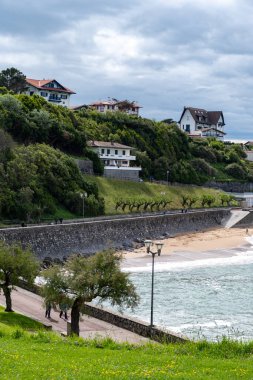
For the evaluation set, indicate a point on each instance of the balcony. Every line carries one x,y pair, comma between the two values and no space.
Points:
127,168
117,157
55,99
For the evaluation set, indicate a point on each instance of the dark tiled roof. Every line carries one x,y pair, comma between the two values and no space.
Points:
208,117
107,144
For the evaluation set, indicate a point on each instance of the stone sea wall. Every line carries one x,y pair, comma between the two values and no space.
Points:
133,324
62,240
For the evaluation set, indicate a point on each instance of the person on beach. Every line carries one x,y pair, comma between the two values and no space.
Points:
48,309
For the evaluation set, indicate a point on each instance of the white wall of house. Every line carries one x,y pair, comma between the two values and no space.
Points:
249,155
114,156
114,108
187,123
55,97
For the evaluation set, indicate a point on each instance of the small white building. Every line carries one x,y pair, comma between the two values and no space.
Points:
116,159
50,90
113,105
198,122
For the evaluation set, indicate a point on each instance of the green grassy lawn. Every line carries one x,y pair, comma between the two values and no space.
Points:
13,321
46,355
112,190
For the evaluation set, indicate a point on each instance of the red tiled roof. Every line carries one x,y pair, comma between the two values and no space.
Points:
40,83
110,103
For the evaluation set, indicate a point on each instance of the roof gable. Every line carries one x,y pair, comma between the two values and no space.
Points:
202,116
49,85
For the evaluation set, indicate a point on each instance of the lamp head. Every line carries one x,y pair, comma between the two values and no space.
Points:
159,247
148,244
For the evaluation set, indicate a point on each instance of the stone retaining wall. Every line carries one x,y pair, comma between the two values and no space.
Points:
134,325
62,240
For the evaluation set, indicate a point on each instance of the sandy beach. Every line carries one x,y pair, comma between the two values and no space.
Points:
208,244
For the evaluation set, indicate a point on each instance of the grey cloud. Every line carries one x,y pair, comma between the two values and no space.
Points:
164,55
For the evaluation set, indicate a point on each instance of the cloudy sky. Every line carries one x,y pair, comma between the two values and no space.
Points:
165,54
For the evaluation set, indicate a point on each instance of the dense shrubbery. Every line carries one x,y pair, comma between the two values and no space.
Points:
236,171
31,119
160,147
34,179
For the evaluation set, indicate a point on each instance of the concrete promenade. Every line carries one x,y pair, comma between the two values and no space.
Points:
31,305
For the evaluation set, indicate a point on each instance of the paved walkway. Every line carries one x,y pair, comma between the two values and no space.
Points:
31,305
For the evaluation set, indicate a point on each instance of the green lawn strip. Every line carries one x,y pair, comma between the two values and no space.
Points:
112,189
46,356
18,321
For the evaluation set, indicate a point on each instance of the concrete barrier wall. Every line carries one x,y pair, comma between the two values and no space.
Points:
62,240
247,221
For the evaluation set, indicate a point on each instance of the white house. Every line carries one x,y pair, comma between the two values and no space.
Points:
50,89
198,122
113,105
116,159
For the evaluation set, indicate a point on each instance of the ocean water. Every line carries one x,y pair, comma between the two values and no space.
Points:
202,299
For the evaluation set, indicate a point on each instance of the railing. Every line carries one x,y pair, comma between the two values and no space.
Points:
116,156
52,99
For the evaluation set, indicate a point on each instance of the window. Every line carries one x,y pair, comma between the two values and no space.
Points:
64,96
102,151
123,152
31,92
188,128
116,151
43,93
108,151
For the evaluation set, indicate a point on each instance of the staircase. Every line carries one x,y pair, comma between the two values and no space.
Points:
235,217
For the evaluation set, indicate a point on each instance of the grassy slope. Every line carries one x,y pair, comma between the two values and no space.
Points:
112,189
45,355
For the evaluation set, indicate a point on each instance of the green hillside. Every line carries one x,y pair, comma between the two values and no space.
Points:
112,190
39,178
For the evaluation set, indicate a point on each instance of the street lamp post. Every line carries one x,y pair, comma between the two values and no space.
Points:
148,244
168,172
83,196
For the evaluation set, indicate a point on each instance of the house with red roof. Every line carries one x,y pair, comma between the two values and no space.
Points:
50,90
197,122
113,105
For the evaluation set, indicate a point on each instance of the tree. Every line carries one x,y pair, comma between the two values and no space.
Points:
125,105
13,79
15,264
83,279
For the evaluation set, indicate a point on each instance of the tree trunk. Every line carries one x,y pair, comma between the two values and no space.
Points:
75,314
7,294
